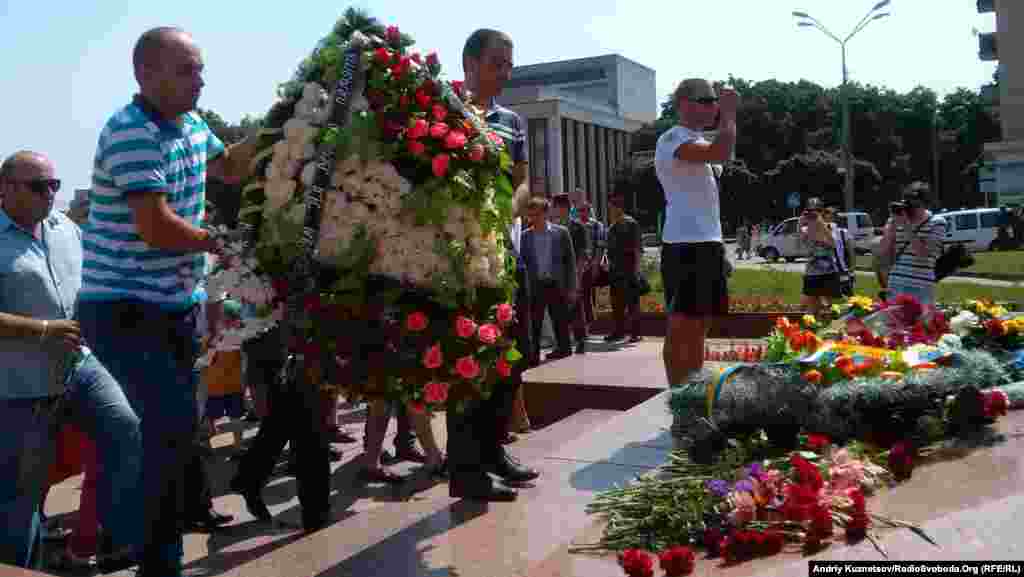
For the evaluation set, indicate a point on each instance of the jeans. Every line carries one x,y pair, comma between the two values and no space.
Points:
101,410
152,353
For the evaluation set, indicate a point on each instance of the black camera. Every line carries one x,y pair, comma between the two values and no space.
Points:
898,207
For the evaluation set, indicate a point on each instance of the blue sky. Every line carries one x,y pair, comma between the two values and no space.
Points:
68,64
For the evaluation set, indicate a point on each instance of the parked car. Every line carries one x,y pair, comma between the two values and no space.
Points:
860,228
783,241
977,228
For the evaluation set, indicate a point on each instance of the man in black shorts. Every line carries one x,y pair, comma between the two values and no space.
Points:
693,262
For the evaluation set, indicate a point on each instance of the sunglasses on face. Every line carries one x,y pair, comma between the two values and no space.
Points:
706,101
48,186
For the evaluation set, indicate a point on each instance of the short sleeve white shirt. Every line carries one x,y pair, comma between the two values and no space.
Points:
692,210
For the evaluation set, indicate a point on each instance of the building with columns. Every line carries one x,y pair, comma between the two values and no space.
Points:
1004,161
580,116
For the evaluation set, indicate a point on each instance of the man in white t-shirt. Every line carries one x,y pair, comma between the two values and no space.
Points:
693,262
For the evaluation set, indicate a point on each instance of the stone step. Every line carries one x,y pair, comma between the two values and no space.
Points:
541,443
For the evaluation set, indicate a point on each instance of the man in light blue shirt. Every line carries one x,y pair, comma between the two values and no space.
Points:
45,366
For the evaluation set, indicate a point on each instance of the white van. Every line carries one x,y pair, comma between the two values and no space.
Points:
859,228
783,241
975,228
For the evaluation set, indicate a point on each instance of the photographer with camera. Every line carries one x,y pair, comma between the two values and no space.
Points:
914,238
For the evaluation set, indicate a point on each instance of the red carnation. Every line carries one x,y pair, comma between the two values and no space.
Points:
416,322
399,69
440,165
418,129
817,442
712,541
821,524
382,56
677,561
403,101
857,526
455,140
438,130
477,152
503,367
311,349
423,98
458,86
416,147
774,541
439,112
799,503
636,563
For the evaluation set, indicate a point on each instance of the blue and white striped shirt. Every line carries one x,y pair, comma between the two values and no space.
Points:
139,151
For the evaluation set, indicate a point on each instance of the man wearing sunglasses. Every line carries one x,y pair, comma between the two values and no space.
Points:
914,239
693,262
144,263
45,365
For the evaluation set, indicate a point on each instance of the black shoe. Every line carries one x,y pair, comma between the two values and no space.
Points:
482,493
253,498
252,417
635,339
614,337
513,472
210,520
581,347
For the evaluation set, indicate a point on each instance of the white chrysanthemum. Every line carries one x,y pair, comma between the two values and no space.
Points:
963,323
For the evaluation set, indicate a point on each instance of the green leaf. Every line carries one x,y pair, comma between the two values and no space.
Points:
513,355
808,455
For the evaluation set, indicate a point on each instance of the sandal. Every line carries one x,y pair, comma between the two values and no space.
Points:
381,476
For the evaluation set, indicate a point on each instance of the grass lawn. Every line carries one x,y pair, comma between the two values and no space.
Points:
787,287
1010,263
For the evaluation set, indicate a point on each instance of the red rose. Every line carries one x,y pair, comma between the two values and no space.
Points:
416,322
901,460
392,35
464,327
677,561
467,368
455,140
439,112
807,473
417,129
636,563
799,503
432,59
382,56
433,358
417,407
423,98
504,369
440,165
435,393
416,147
416,58
488,334
312,304
438,130
505,313
477,152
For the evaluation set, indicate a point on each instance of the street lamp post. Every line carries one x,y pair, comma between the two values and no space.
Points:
808,20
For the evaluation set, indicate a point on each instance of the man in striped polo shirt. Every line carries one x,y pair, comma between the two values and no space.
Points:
916,244
144,259
474,438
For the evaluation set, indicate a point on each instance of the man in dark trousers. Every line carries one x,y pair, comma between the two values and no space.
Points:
581,245
551,268
625,251
474,440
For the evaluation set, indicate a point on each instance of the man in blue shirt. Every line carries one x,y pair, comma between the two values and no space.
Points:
45,366
474,438
144,263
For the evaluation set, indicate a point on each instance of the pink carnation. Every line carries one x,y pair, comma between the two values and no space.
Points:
464,327
467,368
505,313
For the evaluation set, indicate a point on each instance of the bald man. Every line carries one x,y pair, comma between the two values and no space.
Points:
45,366
144,263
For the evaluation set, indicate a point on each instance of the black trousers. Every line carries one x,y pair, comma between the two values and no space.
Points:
294,415
474,437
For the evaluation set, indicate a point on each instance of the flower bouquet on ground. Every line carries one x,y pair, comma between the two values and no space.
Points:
754,502
378,206
987,325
